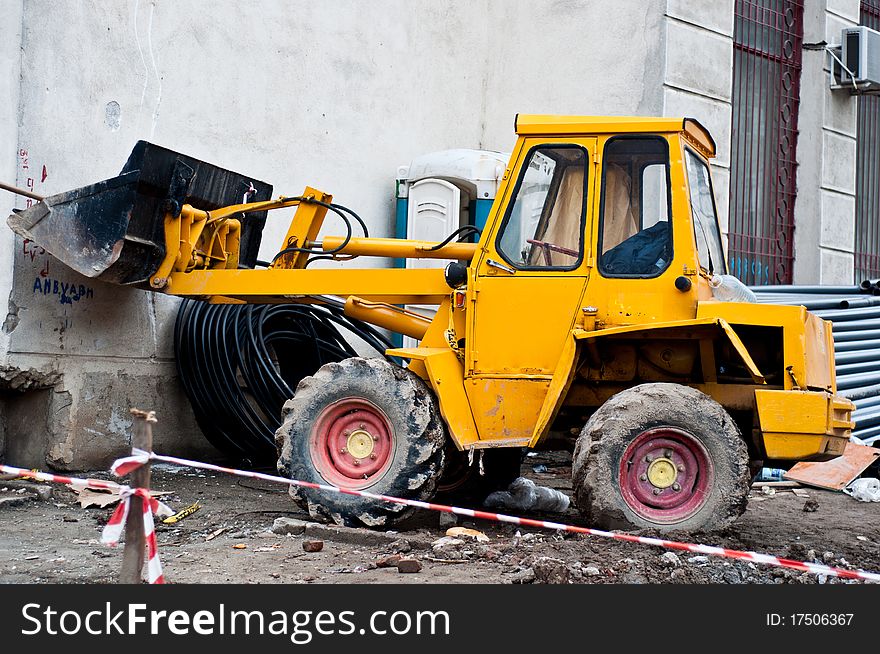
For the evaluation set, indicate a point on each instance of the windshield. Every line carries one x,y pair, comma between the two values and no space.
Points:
708,237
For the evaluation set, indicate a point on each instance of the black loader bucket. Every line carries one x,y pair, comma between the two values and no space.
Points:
114,230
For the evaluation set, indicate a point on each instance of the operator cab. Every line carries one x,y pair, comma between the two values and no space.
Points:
626,203
546,222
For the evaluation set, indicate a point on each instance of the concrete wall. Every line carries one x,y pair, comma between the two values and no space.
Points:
293,93
699,77
569,57
825,204
287,94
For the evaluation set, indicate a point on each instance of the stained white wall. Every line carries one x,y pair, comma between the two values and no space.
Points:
10,84
570,57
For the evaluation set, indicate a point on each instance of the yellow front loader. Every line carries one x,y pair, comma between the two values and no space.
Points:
587,307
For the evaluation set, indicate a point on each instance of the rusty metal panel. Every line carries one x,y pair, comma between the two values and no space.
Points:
837,473
768,36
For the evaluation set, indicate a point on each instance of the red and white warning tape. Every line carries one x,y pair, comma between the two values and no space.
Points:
140,457
113,529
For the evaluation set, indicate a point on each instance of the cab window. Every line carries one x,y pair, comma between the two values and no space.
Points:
706,232
544,227
635,234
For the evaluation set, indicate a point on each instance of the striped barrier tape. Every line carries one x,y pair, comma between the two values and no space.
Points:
113,529
140,457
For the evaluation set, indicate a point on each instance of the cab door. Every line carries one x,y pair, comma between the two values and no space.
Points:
528,285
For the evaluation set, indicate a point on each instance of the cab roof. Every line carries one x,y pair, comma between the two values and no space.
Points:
549,125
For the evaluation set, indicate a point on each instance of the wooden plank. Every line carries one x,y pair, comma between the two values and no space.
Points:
838,473
135,539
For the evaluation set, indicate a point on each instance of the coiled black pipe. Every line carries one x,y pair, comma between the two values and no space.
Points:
239,363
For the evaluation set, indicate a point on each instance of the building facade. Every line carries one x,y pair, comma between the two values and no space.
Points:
338,97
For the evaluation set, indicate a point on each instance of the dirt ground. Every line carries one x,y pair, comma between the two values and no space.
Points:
46,537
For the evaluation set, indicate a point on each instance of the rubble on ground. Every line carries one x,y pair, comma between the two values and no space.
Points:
839,532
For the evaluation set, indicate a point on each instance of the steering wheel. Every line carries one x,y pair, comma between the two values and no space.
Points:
549,248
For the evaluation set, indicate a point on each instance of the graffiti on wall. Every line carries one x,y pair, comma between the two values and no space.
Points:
66,291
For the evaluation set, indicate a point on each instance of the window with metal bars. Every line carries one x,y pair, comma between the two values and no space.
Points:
867,227
767,40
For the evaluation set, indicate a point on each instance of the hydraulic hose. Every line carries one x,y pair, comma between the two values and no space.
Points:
340,211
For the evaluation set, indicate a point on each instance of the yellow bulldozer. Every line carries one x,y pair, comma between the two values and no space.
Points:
589,305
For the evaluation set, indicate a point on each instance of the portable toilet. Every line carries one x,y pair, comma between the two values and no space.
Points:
440,192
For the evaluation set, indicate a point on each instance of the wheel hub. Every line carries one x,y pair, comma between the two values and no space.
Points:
662,473
360,444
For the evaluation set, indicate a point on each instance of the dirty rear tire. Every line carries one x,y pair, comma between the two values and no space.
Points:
416,437
622,421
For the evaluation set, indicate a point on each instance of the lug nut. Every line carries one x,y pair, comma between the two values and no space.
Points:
657,491
373,456
356,462
343,451
649,458
376,438
680,467
362,426
346,433
644,477
676,487
668,454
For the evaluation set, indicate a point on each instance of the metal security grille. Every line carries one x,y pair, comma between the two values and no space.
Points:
867,232
767,40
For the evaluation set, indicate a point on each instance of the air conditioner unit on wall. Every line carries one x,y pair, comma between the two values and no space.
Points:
859,52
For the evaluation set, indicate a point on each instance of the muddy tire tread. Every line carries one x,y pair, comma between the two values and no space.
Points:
419,434
594,476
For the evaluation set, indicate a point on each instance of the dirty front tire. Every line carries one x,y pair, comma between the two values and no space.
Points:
661,456
361,424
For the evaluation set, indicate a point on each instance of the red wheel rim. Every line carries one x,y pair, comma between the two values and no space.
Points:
665,475
351,443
